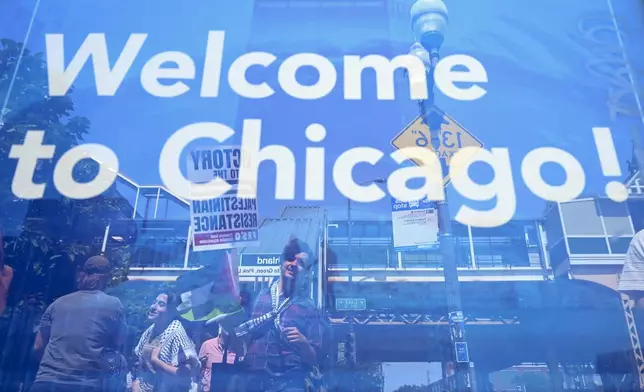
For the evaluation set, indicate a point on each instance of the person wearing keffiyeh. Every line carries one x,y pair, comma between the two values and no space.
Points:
166,355
283,352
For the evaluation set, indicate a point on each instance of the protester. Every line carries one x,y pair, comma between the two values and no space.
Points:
76,331
283,353
219,357
6,276
613,365
632,277
166,355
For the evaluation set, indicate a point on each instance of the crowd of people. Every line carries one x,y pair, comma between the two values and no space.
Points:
80,340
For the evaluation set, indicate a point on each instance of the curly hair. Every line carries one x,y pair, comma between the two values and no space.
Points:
295,247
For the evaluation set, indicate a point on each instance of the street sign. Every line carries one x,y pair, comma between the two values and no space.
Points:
267,264
415,224
452,137
456,317
350,304
342,358
462,354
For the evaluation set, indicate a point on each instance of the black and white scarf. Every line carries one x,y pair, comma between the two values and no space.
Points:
174,340
253,325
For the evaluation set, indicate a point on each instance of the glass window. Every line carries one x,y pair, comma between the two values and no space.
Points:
431,258
532,239
619,245
552,225
338,229
581,218
386,230
588,246
636,208
357,229
616,218
370,229
558,253
372,256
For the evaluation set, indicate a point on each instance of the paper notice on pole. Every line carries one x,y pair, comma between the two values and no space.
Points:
227,221
415,224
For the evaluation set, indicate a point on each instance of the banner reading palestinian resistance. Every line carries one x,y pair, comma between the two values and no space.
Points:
226,222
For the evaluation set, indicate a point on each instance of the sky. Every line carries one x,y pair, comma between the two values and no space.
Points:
414,373
555,70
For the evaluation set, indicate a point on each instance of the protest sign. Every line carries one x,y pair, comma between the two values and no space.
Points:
228,221
415,224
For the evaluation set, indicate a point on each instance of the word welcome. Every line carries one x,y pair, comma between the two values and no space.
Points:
165,73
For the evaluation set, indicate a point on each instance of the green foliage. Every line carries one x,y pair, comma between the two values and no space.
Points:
136,296
413,388
365,377
533,381
52,236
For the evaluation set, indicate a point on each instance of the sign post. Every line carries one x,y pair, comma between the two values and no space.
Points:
435,130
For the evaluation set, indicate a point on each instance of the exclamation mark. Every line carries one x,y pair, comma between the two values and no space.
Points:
615,190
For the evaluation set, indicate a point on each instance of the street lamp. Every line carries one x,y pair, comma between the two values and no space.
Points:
429,21
351,338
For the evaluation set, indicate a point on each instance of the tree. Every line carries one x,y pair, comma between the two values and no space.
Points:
533,381
365,377
413,388
46,238
55,230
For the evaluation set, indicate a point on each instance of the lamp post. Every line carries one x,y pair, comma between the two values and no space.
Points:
429,21
351,337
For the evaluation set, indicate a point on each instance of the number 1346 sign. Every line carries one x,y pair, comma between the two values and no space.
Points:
450,138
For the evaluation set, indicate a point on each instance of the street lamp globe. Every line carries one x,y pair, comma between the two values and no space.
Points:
417,50
429,23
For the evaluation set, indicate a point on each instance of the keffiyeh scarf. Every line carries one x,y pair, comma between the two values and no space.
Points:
174,340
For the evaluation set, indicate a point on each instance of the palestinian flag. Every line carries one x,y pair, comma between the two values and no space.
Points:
210,291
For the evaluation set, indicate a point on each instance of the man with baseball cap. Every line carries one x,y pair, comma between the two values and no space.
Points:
76,331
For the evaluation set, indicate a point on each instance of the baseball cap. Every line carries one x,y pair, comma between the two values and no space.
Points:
97,265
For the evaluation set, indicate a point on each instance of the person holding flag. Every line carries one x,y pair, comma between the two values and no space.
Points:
283,349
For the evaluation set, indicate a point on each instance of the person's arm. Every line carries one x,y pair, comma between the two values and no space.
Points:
307,346
136,383
166,368
187,348
304,348
136,386
206,366
44,330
